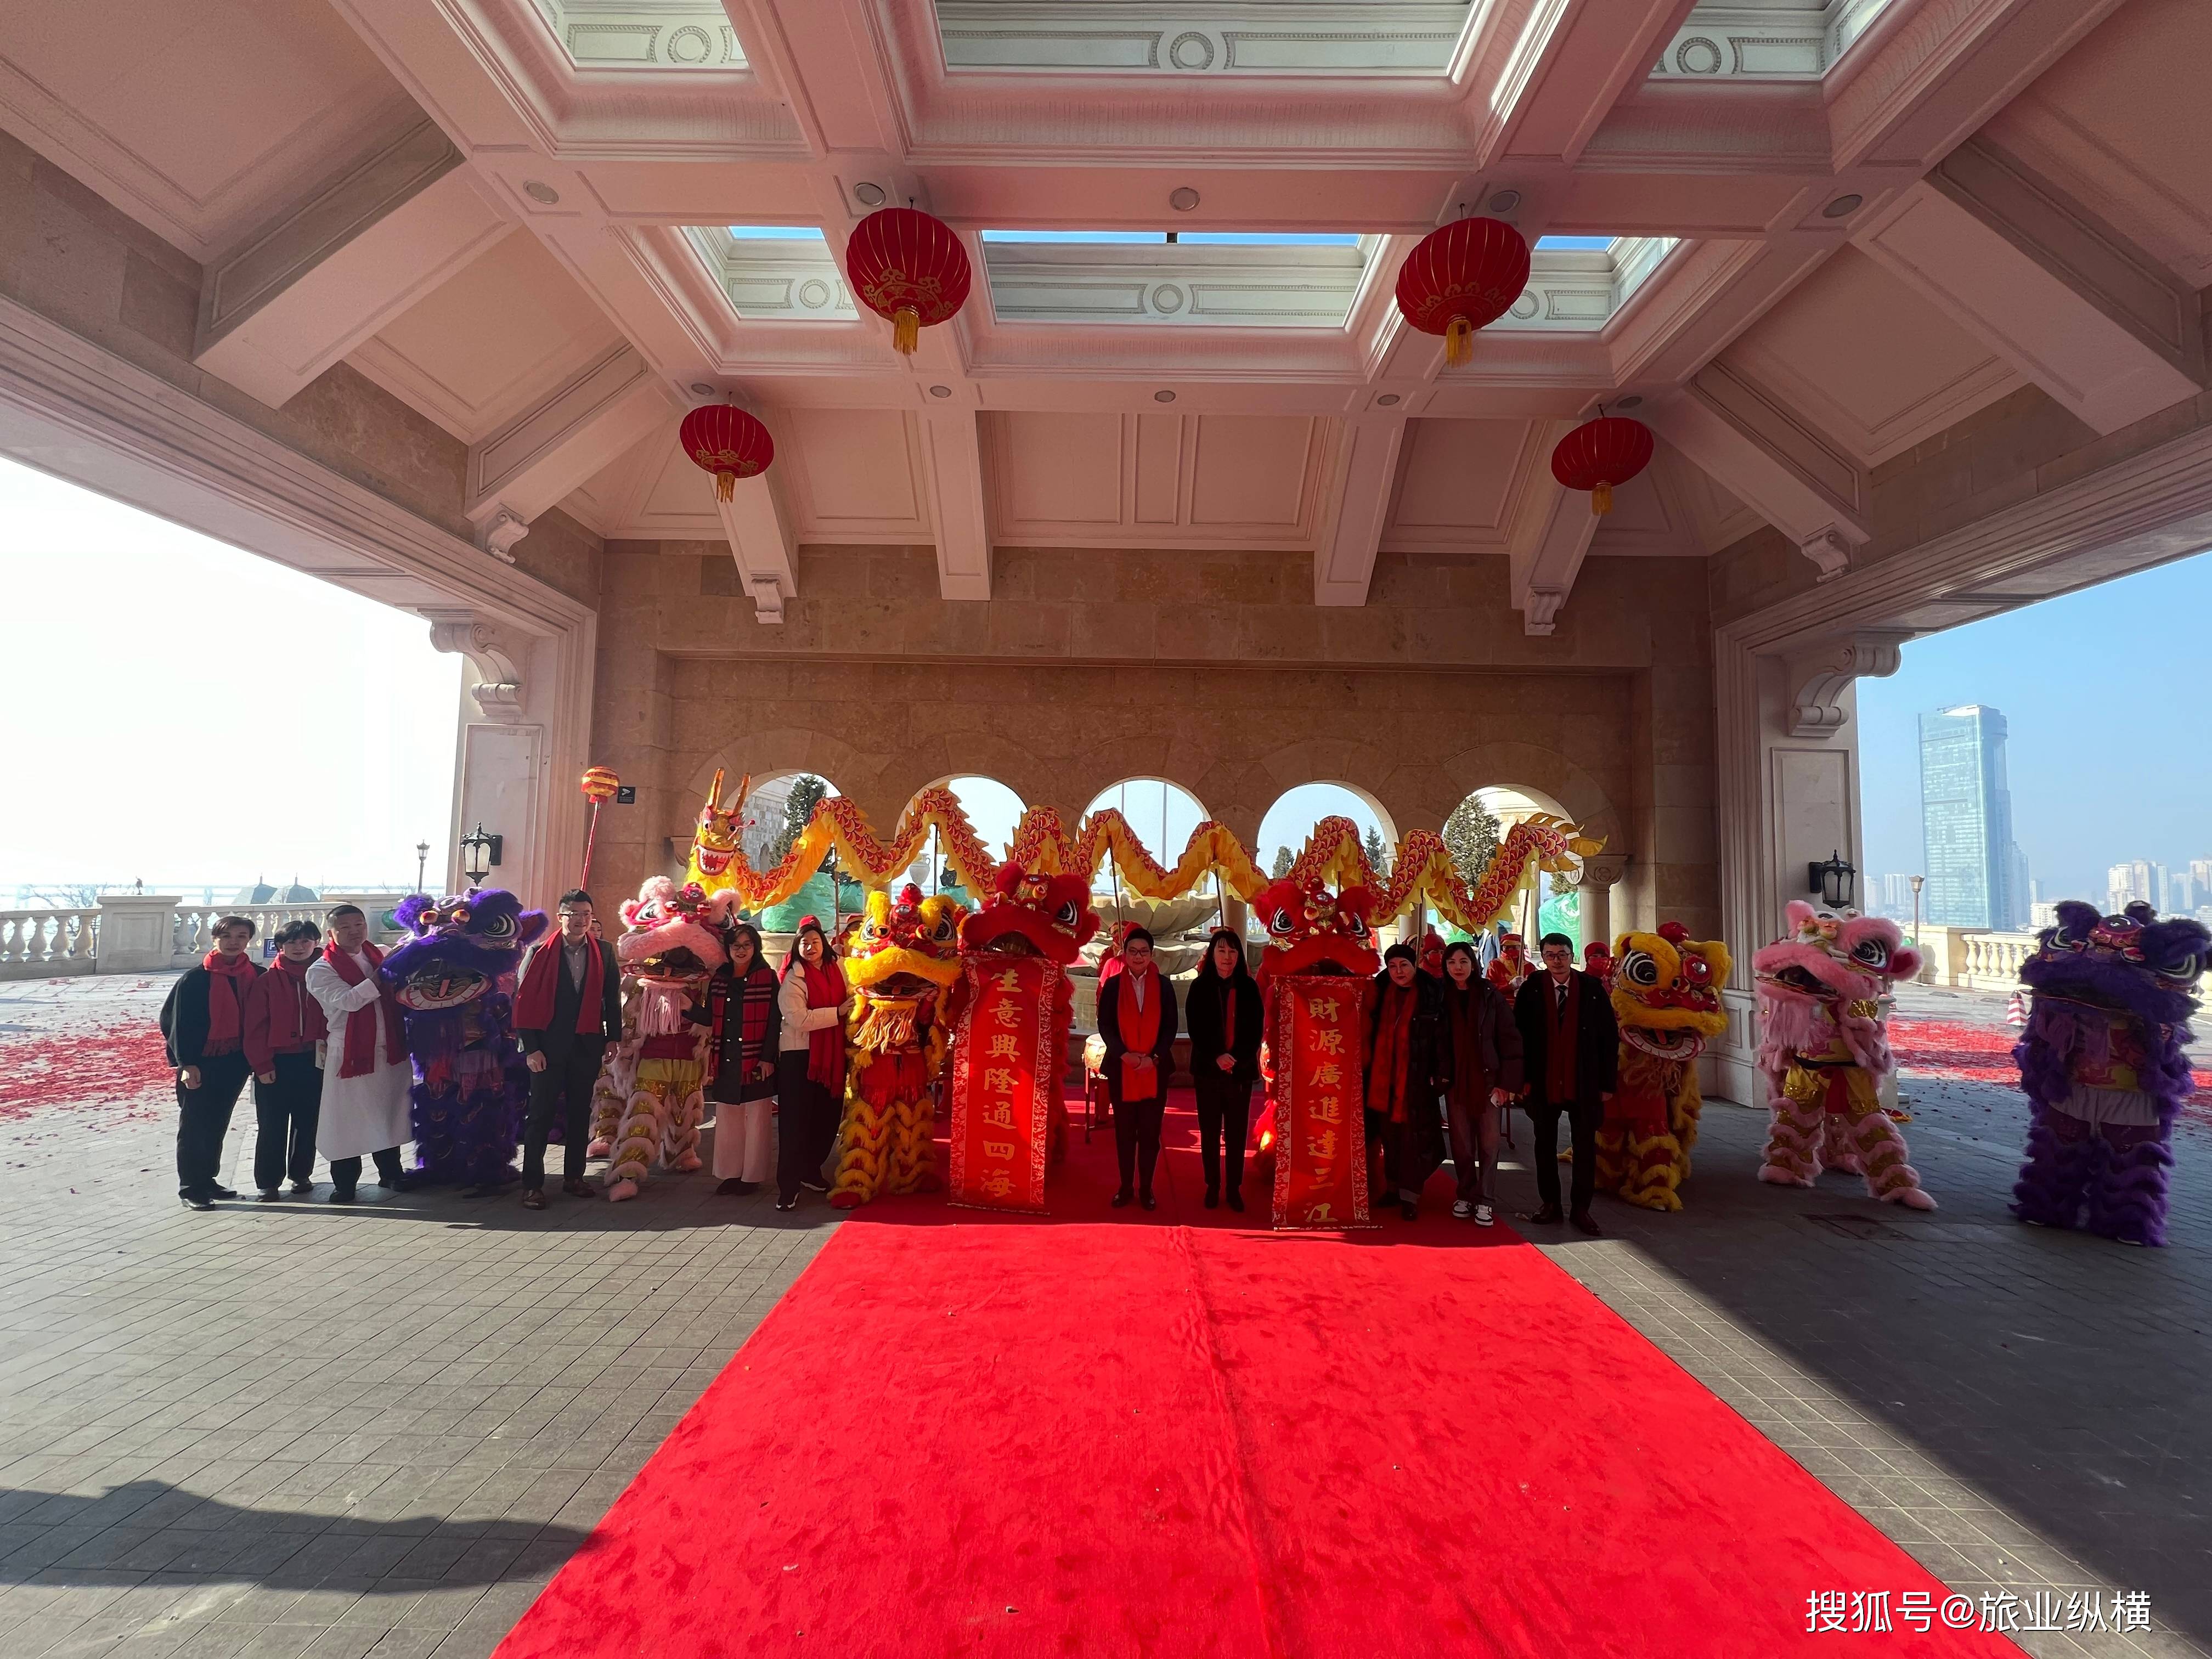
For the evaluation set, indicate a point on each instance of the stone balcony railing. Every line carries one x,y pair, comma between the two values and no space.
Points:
147,932
1973,958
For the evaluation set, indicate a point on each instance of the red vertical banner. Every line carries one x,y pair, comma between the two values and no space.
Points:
1317,1027
1001,1082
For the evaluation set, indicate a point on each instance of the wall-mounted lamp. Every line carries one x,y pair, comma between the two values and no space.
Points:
479,856
1831,881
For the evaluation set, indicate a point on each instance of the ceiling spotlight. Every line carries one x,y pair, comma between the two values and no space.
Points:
940,391
701,389
1164,397
1630,402
868,195
1387,400
538,191
1182,200
1504,201
1842,205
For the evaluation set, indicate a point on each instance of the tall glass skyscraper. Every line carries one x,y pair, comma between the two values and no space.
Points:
1976,875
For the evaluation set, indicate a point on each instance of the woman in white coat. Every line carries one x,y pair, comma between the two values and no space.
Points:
366,1072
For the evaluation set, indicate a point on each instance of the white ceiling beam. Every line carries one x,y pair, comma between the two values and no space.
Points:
1569,67
560,442
332,271
1366,478
1772,459
2099,326
1550,536
759,526
952,455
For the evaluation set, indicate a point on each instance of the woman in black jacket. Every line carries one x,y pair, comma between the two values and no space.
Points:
1409,1066
746,1029
1222,1011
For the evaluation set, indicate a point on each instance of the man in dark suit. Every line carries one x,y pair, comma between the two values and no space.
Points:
1571,1058
1137,1022
567,1009
204,1023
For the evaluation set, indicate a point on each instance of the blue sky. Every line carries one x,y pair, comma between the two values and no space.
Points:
2109,755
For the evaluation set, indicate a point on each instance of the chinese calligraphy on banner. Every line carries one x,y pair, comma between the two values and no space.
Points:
1317,1030
1001,1089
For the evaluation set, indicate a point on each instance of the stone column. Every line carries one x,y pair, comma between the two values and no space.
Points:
135,932
1601,874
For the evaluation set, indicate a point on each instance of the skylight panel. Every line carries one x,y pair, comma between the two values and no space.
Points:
778,234
1182,238
1218,279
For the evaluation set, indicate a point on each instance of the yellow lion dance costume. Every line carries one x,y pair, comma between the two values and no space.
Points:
904,957
1666,996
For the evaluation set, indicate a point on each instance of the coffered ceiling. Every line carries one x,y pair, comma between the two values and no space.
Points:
1798,238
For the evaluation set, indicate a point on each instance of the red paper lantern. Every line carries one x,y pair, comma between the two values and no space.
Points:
600,783
729,443
1461,278
908,267
1601,453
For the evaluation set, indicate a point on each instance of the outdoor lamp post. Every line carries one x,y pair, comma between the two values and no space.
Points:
479,854
422,862
1831,881
1916,881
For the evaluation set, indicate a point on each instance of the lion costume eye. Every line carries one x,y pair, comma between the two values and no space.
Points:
1696,970
943,930
1065,916
499,927
1874,951
1639,968
1281,922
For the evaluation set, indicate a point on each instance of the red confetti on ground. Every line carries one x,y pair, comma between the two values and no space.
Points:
78,1069
1983,1053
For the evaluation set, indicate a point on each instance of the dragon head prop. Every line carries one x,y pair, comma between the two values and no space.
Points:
1031,913
2132,962
458,949
905,944
675,935
720,835
1666,991
1313,931
1830,971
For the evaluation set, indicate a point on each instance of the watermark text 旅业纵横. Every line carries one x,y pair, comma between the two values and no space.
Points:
2078,1611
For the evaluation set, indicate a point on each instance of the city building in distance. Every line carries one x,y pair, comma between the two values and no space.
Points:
1977,876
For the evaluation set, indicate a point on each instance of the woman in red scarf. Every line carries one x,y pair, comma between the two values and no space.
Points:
284,1033
204,1021
811,1008
1407,1068
744,1045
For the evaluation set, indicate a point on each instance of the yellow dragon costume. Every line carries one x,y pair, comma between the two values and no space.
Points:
901,959
1666,997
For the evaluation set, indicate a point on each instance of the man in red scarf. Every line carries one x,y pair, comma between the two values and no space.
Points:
1137,1020
284,1033
366,1070
204,1021
566,1009
1570,1060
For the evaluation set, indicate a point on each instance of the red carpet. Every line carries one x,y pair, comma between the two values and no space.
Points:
1112,1434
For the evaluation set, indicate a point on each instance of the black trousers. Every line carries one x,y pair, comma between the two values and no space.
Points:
564,1089
1137,1140
806,1115
1583,1121
286,1110
204,1118
345,1172
1224,1123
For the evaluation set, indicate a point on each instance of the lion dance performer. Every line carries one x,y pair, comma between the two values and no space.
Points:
1510,966
454,975
904,957
672,946
2103,1067
1824,1051
1010,1012
1317,979
1666,997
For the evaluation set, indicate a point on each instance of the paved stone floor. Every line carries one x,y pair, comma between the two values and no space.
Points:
286,1430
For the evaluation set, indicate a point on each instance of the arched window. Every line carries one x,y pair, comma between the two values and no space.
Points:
993,810
1291,820
778,809
1472,834
1162,815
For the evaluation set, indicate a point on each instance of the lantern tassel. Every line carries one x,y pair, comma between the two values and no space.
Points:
1459,341
906,330
725,485
1602,499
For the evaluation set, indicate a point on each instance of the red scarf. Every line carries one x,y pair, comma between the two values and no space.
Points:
825,1044
1141,1030
226,1006
541,983
281,1017
1386,1071
361,1024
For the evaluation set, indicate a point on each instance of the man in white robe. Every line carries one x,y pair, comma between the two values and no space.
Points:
366,1072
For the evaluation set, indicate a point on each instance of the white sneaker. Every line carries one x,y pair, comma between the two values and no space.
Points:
1482,1215
1461,1209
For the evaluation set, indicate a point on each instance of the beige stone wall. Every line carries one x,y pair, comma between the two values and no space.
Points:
1215,671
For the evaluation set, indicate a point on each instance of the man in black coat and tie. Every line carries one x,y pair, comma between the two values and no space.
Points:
567,1009
1570,1056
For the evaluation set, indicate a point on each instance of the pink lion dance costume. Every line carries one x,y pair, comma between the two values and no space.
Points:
673,945
1824,1054
2103,1067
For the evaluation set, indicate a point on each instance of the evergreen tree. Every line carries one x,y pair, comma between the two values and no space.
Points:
1377,859
806,793
1282,862
1471,836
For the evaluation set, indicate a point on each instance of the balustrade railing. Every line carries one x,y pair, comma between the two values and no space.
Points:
1993,960
47,944
140,933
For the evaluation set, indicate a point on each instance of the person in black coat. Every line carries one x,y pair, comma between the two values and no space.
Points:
1137,1023
1222,1009
204,1024
564,1037
1570,1057
745,1039
1408,1067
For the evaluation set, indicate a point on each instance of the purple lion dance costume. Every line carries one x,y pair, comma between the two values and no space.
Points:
455,977
2101,1064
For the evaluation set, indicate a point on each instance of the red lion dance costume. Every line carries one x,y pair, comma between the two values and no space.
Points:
1316,977
673,945
1823,1053
1010,1014
903,958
